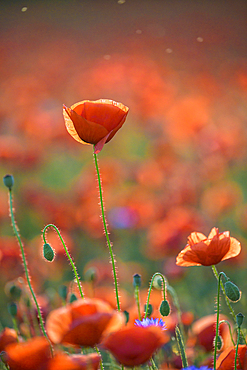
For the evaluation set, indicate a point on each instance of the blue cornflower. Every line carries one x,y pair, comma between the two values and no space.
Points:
144,323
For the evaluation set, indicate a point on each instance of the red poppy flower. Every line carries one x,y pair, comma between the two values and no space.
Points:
83,322
201,250
227,358
95,122
33,354
75,362
133,346
7,336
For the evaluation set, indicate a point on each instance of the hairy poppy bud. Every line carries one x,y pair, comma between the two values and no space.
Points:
8,181
239,319
48,252
219,343
137,280
12,309
72,298
127,316
63,291
164,308
15,292
90,274
149,309
232,291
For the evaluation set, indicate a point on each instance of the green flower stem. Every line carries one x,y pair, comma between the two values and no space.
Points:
68,255
217,316
236,353
230,330
154,367
106,231
227,300
137,298
150,289
26,269
101,363
181,347
15,327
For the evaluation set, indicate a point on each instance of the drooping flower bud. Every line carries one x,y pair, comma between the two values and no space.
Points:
8,181
148,309
239,319
164,308
232,291
91,274
219,343
72,298
63,291
137,280
48,252
127,315
12,309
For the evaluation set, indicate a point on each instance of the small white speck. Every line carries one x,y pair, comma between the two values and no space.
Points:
168,51
107,57
24,9
121,1
138,32
199,39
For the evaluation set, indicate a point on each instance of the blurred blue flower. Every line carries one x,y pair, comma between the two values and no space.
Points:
197,368
150,322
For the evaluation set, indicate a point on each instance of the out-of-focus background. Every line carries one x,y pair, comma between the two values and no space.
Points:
179,163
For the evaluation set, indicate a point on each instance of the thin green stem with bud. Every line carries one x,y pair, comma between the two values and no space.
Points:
67,253
106,231
216,274
217,316
150,289
26,269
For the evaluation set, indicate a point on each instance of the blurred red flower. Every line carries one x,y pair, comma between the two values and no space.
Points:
204,251
33,354
83,322
74,362
133,346
95,122
226,359
7,336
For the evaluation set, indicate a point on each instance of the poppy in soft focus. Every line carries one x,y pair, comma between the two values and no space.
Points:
75,362
83,322
226,359
7,336
33,354
134,346
204,251
95,122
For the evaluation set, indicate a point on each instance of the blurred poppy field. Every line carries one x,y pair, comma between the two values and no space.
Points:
178,164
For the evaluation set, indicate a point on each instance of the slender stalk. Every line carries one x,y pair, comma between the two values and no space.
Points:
137,298
101,363
217,317
68,255
181,347
227,300
236,353
106,231
230,330
26,269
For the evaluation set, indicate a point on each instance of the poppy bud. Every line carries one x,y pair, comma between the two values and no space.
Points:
72,298
149,309
48,252
232,291
63,291
127,316
8,181
12,309
219,343
3,356
15,292
239,319
158,282
91,274
164,308
137,280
